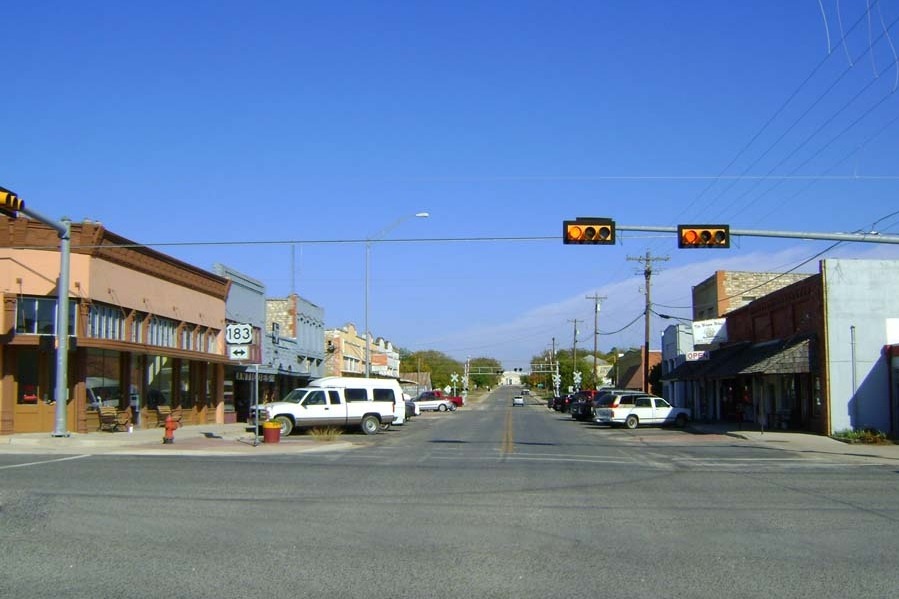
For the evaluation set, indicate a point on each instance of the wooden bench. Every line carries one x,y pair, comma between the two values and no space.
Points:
163,412
112,419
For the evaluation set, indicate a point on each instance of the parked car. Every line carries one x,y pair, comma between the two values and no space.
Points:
634,410
518,400
565,405
429,402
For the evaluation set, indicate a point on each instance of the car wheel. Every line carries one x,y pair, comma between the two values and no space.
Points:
631,421
680,421
286,425
441,408
370,424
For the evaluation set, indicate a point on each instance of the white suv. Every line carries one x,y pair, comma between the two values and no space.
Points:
634,410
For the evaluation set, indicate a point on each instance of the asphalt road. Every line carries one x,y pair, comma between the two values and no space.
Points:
488,501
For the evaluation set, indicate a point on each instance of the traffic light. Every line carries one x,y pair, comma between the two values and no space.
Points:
590,231
703,236
10,203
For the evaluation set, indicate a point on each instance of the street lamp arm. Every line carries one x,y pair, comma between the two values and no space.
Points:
367,275
383,232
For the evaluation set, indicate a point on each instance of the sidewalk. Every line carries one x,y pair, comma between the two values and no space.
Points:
208,439
799,442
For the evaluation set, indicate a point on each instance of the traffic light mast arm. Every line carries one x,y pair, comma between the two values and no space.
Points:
853,237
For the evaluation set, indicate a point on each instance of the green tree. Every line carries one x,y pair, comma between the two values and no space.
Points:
482,364
440,365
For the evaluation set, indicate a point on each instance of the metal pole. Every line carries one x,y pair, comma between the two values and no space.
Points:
256,406
61,391
873,237
62,331
367,335
854,377
367,277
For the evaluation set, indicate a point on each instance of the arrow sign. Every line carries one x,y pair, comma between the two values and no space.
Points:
238,352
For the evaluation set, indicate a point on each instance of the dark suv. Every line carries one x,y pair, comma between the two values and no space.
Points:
561,402
581,407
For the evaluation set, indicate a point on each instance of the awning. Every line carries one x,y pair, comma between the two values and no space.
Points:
699,369
794,355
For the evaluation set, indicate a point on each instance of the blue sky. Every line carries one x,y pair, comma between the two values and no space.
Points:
275,136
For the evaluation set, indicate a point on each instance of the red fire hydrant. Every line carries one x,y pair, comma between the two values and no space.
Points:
170,426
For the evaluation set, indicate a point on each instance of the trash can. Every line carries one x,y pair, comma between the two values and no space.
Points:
271,432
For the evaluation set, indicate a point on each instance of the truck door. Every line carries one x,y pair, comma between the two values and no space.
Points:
315,410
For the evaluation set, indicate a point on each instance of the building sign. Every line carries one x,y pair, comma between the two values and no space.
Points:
696,356
710,332
251,376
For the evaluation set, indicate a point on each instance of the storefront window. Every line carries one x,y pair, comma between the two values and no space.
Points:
103,369
187,398
37,316
817,402
27,377
159,381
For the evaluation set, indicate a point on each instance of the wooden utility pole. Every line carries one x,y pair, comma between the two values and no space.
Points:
647,273
596,300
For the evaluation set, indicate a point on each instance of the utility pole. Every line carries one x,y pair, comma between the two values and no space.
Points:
596,299
574,355
647,273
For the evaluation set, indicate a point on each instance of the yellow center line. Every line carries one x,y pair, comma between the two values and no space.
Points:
508,434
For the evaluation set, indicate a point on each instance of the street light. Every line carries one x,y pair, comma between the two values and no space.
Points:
379,235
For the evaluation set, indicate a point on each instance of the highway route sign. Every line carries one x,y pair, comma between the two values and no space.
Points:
239,334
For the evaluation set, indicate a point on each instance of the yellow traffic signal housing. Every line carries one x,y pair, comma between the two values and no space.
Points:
589,231
703,236
10,203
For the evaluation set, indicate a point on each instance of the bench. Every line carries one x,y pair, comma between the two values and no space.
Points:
163,412
112,419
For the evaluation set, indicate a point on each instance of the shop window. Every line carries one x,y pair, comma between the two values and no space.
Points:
106,322
26,376
159,381
37,316
187,398
102,384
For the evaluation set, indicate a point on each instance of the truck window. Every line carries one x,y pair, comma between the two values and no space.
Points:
315,398
355,395
335,397
384,395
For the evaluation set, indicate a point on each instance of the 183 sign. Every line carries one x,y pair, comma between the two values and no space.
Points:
239,334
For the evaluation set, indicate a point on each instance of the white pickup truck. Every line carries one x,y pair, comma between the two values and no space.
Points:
371,404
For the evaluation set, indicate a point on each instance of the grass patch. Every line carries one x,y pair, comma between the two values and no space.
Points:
326,433
864,435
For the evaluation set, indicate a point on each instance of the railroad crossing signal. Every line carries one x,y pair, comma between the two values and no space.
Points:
589,231
703,236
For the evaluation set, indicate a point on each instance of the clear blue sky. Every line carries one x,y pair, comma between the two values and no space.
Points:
314,122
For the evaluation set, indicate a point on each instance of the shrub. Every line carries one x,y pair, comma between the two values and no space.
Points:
326,433
863,435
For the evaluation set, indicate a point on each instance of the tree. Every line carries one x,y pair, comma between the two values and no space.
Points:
483,364
440,365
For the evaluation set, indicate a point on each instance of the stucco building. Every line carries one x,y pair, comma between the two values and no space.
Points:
145,330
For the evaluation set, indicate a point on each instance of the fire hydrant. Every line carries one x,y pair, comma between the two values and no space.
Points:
170,426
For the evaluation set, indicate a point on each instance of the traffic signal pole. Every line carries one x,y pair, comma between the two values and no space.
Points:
853,237
61,391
